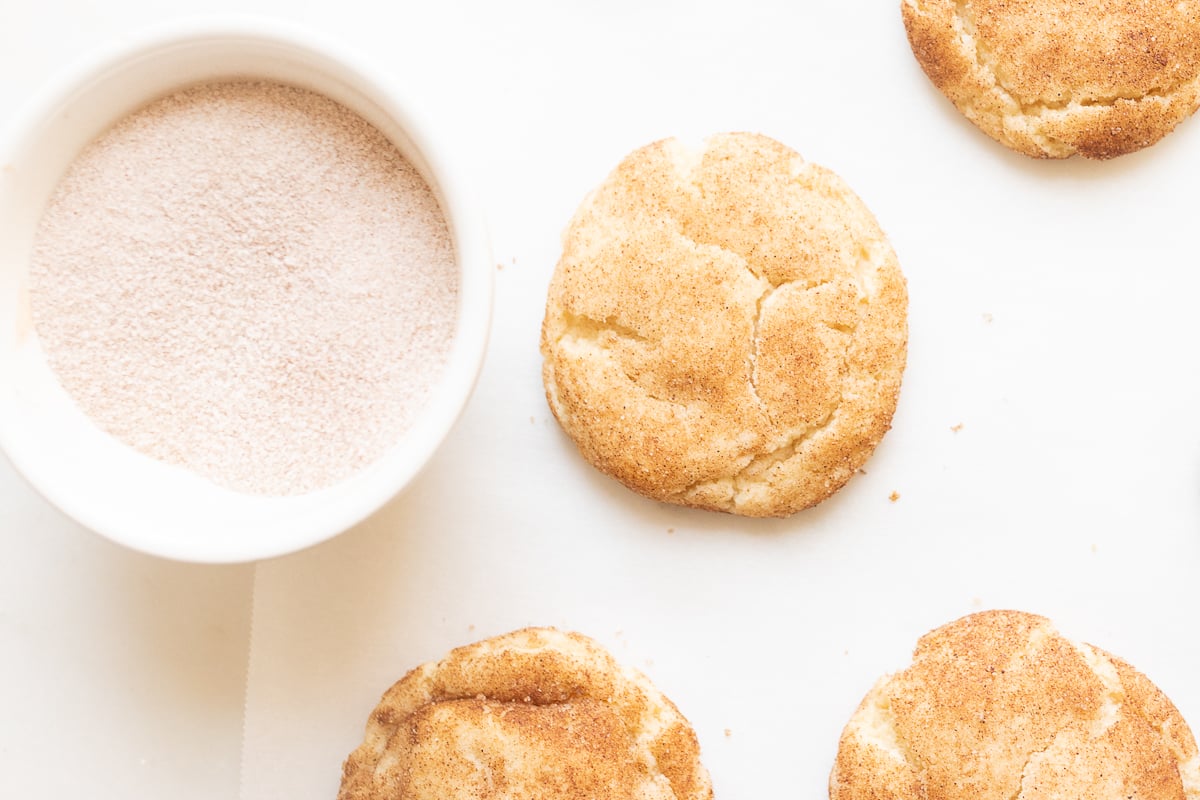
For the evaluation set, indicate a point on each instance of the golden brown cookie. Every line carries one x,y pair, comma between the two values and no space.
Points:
1051,78
999,705
726,329
528,715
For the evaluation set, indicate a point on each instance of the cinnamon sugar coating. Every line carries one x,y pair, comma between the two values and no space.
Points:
531,714
1051,78
725,329
1000,706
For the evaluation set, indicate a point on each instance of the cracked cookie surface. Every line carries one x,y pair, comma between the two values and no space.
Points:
726,329
531,714
1052,78
1000,706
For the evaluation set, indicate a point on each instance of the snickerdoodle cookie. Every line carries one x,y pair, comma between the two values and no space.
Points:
532,714
1051,78
726,329
999,705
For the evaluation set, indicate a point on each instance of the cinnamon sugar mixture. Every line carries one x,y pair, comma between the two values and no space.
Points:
247,280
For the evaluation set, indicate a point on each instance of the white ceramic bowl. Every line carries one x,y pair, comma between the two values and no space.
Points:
109,487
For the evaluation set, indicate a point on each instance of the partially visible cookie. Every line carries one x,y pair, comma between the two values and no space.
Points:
532,714
1051,78
999,705
726,329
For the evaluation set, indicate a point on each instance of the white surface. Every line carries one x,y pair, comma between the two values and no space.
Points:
105,484
121,675
1073,488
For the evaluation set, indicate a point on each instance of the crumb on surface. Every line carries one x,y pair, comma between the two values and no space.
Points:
728,733
987,317
956,428
861,471
894,496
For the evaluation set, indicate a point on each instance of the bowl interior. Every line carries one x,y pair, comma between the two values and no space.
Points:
108,486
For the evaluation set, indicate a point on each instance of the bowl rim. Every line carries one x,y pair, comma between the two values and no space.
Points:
450,392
